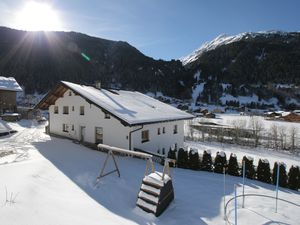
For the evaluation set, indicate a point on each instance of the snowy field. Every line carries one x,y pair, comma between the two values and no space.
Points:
51,181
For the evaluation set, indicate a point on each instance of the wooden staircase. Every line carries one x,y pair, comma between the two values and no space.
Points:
156,193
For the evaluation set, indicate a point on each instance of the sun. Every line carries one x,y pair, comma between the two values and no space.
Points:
38,16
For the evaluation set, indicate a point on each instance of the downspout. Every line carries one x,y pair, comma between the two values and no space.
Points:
130,132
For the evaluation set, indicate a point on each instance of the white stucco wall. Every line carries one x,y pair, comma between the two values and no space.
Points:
158,142
114,132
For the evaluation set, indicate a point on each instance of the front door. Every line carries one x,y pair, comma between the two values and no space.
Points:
98,135
82,133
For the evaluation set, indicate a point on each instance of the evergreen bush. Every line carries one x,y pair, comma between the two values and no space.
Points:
294,178
263,171
233,167
206,163
282,174
220,162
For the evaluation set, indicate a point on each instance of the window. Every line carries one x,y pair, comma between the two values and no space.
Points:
70,93
145,136
106,116
164,130
175,131
66,110
98,135
72,127
55,109
73,108
81,110
158,131
65,127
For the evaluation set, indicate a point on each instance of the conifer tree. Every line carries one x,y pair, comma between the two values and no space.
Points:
182,156
233,167
249,168
282,174
206,163
220,162
294,178
263,171
194,159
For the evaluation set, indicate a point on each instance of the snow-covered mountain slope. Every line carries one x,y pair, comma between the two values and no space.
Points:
225,39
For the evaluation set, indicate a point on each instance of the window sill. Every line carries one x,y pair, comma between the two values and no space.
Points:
145,141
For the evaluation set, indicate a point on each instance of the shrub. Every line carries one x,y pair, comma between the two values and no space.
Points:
194,159
172,155
249,170
220,162
206,163
282,174
294,178
182,156
233,167
263,171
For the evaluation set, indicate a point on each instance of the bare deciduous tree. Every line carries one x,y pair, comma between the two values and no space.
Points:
293,138
274,135
256,127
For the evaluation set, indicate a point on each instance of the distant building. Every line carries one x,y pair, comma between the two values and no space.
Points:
125,119
8,94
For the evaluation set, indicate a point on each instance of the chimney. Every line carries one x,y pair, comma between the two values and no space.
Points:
98,84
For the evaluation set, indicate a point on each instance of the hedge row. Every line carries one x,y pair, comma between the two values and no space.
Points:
191,160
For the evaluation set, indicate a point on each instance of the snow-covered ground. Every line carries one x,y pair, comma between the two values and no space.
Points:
54,184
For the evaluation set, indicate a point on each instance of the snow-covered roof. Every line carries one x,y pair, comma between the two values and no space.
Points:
9,84
130,106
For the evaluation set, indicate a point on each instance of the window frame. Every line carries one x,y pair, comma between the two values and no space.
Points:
65,110
175,129
145,136
56,111
81,110
65,128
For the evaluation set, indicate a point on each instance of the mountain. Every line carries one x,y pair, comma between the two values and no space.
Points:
259,69
38,60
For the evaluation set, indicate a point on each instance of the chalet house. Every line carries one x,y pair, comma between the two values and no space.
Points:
8,94
125,119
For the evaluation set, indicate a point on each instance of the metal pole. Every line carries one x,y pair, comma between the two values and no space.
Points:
277,185
235,205
244,172
224,193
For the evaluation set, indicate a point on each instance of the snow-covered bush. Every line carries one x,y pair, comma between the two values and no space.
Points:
206,163
249,168
194,159
263,171
182,161
220,162
294,178
282,174
233,167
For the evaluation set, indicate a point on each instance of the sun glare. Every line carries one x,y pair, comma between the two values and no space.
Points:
37,16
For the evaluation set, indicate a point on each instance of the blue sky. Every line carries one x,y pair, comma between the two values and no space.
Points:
166,29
